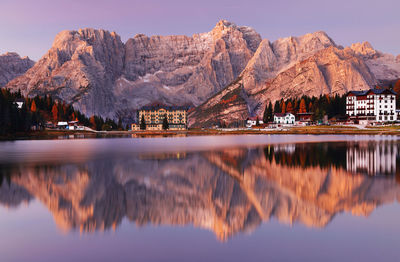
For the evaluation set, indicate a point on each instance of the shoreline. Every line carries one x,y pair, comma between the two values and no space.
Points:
309,130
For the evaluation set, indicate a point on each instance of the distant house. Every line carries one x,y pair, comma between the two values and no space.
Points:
19,102
286,119
305,118
62,125
252,121
135,127
72,125
49,124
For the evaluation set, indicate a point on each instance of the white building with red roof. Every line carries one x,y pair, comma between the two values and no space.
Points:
286,119
375,105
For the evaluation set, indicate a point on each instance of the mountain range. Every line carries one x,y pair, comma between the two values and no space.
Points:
226,74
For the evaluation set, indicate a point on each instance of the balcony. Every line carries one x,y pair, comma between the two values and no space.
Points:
386,113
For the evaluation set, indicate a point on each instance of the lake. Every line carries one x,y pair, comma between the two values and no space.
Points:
205,198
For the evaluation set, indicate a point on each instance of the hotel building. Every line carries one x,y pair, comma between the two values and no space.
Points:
377,105
154,116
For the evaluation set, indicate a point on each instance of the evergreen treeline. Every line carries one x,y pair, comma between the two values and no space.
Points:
36,111
308,155
319,106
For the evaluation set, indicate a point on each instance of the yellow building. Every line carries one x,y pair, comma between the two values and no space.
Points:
135,127
154,116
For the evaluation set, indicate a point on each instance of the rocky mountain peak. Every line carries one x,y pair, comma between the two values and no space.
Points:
385,67
12,65
80,65
322,36
295,48
222,28
289,67
364,49
223,24
176,69
97,73
226,29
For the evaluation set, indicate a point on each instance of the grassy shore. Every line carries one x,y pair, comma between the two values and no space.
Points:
315,130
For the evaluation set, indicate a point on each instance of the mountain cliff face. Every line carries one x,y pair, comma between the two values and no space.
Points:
319,67
80,68
12,65
385,67
99,74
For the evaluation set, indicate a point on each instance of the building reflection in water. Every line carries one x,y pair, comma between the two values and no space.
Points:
225,191
372,159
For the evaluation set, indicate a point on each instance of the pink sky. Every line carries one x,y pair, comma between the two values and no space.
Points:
28,27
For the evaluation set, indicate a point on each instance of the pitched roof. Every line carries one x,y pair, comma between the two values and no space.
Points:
157,106
282,114
376,91
254,118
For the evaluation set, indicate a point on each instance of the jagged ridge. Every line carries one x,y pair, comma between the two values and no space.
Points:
12,66
98,74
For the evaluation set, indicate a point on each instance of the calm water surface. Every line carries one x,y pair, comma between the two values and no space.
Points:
225,198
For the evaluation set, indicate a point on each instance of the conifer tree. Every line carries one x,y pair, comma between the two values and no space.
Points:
268,113
33,106
54,112
270,116
310,106
289,107
302,108
142,123
277,107
165,124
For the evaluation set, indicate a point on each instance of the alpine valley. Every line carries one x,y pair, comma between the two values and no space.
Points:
226,74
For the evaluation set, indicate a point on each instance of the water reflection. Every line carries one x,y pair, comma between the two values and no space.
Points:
373,159
225,191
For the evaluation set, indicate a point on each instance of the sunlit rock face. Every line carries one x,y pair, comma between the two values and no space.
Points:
311,65
227,191
385,67
186,70
98,74
12,65
80,68
228,73
326,70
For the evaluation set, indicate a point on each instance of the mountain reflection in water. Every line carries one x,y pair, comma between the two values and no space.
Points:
225,191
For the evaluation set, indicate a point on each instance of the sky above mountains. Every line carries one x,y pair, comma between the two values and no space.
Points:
29,27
